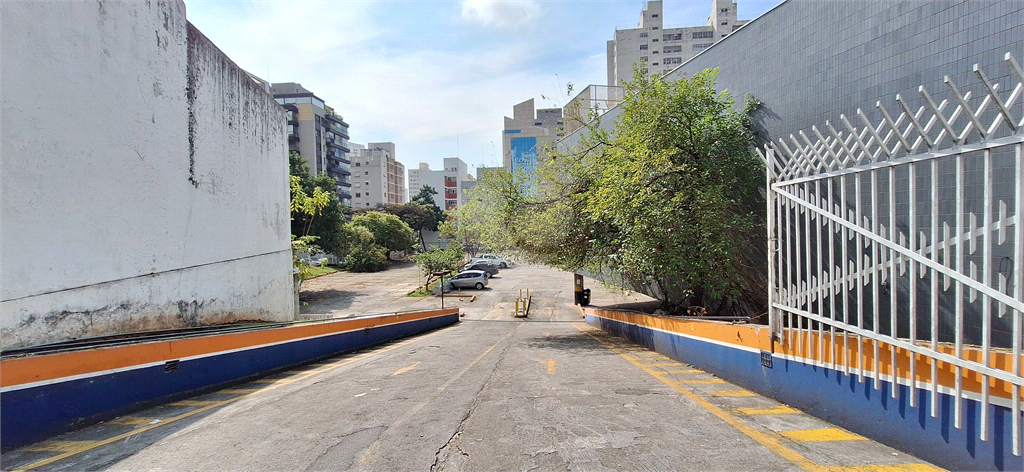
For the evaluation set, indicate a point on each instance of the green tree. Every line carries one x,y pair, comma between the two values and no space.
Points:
437,260
668,197
418,216
426,198
363,254
326,224
388,231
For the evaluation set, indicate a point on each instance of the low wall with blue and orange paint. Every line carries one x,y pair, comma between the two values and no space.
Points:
48,394
807,378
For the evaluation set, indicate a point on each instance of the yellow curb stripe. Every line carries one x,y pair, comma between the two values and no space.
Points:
236,391
733,393
775,410
823,434
887,468
686,371
58,446
133,421
665,364
182,416
198,402
701,382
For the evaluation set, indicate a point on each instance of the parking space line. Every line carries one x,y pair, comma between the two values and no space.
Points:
733,393
821,435
775,410
58,446
770,441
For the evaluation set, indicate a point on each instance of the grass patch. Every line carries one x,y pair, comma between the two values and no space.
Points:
427,291
317,271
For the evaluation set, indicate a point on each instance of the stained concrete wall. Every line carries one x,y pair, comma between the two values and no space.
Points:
143,178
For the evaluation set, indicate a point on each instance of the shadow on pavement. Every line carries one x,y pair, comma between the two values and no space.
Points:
572,342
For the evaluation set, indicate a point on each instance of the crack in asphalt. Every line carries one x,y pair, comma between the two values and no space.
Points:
441,457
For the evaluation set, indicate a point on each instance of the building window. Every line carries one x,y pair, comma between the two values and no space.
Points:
357,164
654,28
643,47
367,173
671,49
655,63
672,37
358,195
725,23
672,60
725,10
654,16
655,40
703,34
642,35
701,46
643,58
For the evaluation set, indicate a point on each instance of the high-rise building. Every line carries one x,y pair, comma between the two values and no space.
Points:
528,133
450,184
317,133
658,50
377,178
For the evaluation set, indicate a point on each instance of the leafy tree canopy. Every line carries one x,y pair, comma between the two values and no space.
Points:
668,197
388,231
325,224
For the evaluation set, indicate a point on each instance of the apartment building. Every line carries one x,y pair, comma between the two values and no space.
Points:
658,50
317,133
451,183
527,133
377,178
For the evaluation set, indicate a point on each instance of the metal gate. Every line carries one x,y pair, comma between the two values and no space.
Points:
896,244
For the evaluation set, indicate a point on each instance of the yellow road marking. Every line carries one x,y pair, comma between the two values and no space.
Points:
235,391
733,393
58,446
767,441
198,402
551,366
685,371
772,443
824,434
775,410
133,420
664,364
120,437
405,369
886,468
701,382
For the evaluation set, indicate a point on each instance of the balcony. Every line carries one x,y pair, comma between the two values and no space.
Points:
450,182
450,194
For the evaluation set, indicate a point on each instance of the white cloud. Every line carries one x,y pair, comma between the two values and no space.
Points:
501,14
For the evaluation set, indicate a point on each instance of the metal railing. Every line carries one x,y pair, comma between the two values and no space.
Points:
900,242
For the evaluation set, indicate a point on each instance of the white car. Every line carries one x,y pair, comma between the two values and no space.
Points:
495,259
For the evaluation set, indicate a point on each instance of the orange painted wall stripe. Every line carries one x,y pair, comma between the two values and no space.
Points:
17,371
759,337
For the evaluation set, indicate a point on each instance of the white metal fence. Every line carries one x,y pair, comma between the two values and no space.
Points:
903,236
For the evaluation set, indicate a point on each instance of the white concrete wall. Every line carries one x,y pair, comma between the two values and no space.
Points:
143,177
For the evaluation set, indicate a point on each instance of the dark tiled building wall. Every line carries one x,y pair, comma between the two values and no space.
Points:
809,61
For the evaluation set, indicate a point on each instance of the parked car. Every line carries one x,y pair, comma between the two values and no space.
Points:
495,259
491,269
471,278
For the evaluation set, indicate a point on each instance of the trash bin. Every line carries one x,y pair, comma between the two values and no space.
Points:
585,298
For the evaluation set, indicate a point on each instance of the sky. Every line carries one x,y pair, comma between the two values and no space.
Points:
434,77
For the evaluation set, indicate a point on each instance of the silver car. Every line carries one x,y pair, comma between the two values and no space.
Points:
470,278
